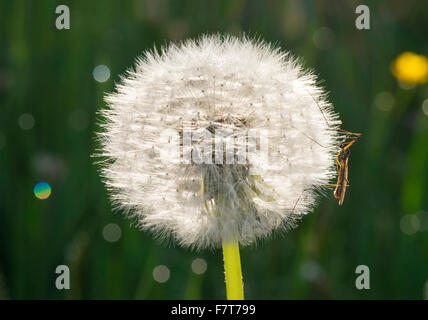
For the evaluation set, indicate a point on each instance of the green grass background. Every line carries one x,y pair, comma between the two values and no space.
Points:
48,73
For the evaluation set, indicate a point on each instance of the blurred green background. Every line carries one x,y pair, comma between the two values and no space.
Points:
48,104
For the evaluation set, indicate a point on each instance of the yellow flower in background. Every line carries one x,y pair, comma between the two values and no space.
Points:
411,68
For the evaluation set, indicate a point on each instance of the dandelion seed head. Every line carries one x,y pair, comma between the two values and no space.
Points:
217,139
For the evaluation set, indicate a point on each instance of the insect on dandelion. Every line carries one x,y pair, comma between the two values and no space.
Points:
217,142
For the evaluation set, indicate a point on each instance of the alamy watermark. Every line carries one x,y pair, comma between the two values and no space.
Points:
63,20
62,282
363,280
363,20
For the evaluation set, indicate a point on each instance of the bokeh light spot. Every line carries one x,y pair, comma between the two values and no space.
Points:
42,190
406,85
48,165
310,270
199,266
384,101
425,107
101,73
410,68
161,274
410,224
26,121
112,232
423,221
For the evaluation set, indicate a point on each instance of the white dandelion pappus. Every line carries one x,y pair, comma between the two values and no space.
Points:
199,94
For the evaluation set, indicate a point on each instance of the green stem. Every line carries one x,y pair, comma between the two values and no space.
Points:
232,271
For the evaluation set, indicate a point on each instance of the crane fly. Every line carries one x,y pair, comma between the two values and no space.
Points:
342,161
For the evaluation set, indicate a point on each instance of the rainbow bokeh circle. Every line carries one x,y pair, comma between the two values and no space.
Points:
42,190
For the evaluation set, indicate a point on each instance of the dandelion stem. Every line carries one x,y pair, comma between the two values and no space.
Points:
232,270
